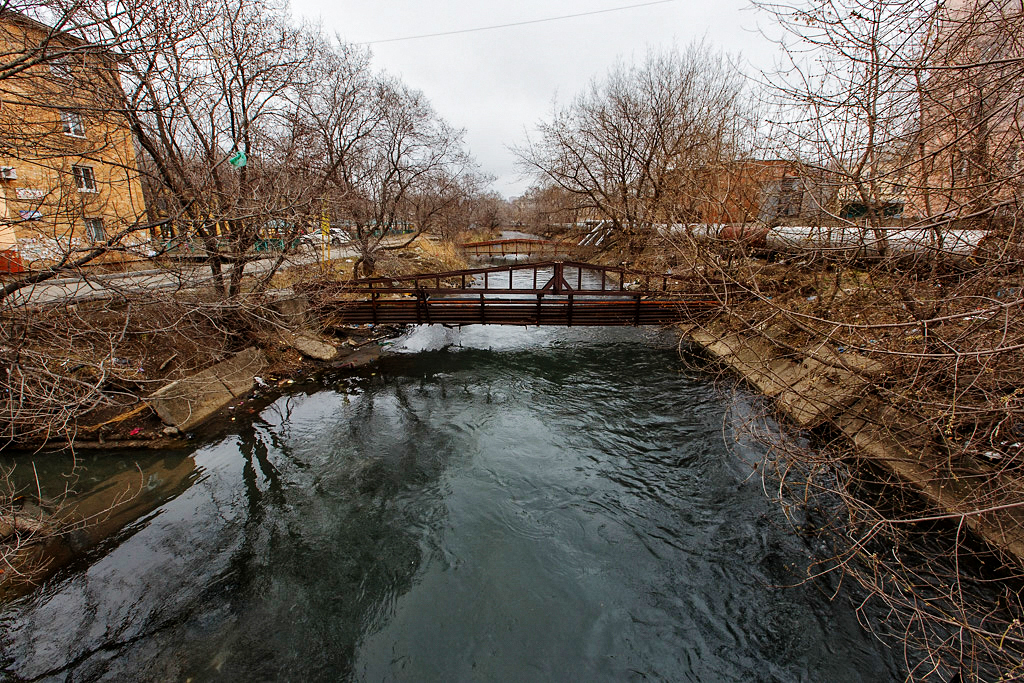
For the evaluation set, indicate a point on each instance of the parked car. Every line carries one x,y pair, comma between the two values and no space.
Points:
335,237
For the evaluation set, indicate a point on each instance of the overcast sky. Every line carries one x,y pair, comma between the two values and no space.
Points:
497,84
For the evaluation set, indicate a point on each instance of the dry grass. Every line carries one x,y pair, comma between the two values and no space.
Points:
424,255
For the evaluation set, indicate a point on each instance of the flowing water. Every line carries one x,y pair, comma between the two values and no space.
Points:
492,504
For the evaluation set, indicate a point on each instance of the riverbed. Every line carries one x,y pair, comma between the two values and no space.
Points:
485,503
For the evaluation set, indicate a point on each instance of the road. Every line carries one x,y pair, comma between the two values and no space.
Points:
186,276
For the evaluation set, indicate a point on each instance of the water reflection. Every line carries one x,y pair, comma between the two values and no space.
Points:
485,504
92,500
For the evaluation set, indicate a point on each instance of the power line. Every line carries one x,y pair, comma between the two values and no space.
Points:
516,23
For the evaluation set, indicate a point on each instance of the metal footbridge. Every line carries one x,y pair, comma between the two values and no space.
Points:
517,247
564,293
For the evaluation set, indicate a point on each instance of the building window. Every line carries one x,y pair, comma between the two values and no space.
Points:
84,178
72,124
791,197
94,229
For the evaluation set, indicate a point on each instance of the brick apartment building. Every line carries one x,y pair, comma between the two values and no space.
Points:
68,174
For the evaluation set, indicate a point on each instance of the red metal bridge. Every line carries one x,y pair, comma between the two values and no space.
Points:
564,293
519,246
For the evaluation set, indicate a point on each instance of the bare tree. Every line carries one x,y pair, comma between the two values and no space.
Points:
195,82
544,208
625,147
447,204
383,155
208,87
911,105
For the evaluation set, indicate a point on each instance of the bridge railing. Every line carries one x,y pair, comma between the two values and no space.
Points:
518,246
556,278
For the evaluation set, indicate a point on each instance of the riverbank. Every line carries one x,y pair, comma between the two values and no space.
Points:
816,387
898,384
152,371
89,367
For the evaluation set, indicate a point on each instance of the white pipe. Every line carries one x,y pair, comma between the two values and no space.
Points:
854,240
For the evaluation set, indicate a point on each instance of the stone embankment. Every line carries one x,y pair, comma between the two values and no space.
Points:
187,403
818,387
191,401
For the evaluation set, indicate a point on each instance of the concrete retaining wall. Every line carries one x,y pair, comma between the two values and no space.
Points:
293,308
815,386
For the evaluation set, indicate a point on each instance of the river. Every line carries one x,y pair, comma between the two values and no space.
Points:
490,503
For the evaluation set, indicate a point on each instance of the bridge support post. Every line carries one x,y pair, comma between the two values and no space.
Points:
422,299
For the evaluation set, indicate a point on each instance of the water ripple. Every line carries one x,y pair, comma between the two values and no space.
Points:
492,504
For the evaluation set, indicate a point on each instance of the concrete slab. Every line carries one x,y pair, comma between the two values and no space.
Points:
808,392
818,392
853,362
238,373
883,435
292,307
359,357
190,401
311,347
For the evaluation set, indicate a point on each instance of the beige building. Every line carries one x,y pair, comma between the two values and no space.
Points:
68,174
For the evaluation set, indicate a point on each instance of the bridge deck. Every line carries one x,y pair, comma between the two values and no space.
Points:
491,311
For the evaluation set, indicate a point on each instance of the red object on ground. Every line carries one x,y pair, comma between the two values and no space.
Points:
10,262
752,235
